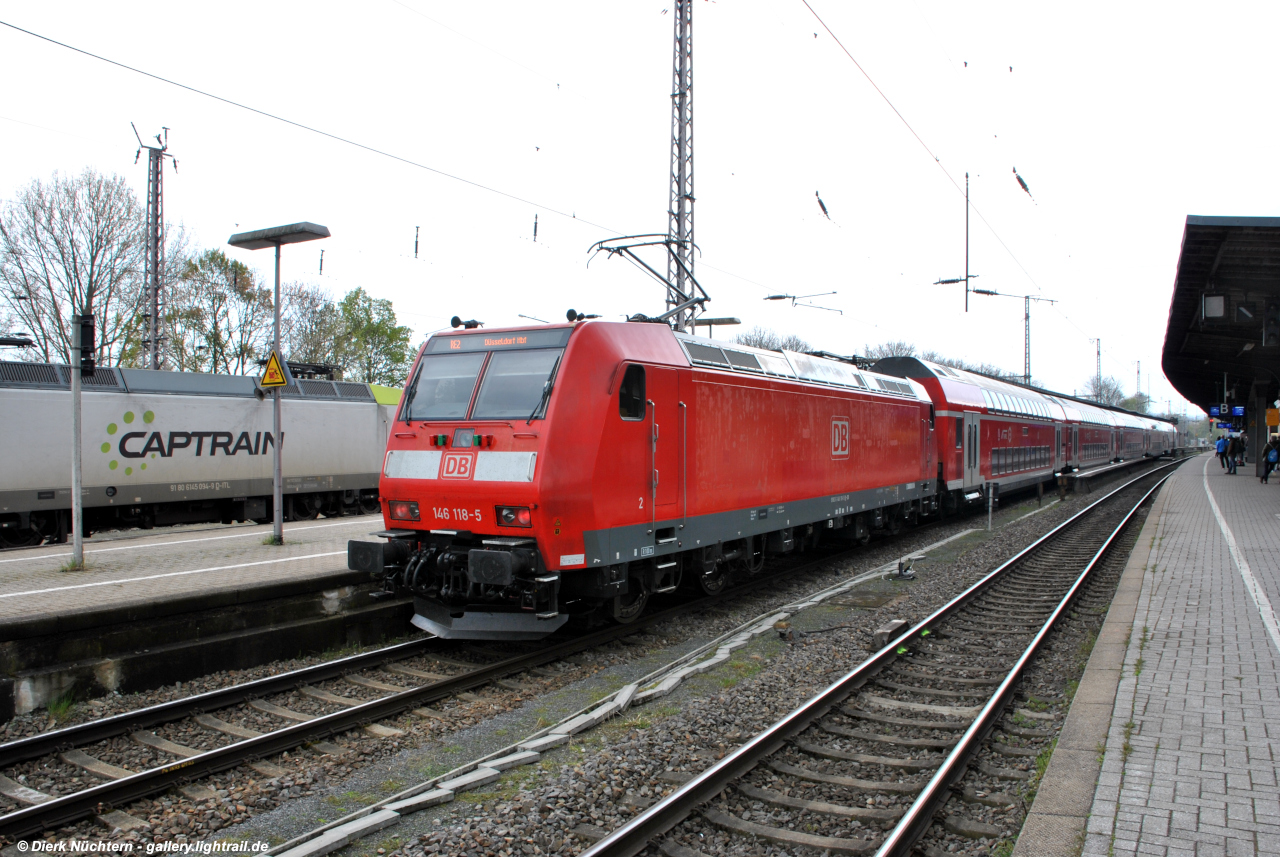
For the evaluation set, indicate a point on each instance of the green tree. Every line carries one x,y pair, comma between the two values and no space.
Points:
375,349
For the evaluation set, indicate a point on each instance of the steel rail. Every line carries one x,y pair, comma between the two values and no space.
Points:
634,836
70,808
919,817
35,746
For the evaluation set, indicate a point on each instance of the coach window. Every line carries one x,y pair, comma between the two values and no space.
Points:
631,395
959,429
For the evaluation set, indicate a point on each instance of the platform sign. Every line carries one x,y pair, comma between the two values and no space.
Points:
1237,411
1213,411
1273,417
1226,426
276,373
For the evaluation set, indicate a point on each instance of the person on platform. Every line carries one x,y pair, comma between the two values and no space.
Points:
1221,448
1270,457
1233,449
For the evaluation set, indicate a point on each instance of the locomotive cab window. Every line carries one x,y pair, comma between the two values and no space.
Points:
631,394
517,385
443,388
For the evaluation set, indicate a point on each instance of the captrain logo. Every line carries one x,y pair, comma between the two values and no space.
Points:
143,447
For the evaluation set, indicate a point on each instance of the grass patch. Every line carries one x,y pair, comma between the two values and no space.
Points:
1034,704
271,540
1042,765
1004,849
390,787
71,566
1086,648
60,707
1102,753
740,670
1072,686
1126,749
1137,667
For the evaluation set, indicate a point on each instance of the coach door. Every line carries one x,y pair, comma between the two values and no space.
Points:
972,450
668,420
1058,452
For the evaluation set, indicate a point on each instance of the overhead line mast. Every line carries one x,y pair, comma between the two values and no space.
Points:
155,239
680,211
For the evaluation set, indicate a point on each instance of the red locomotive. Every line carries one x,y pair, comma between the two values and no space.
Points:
578,468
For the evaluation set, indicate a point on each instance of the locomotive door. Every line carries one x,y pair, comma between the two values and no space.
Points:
668,441
972,450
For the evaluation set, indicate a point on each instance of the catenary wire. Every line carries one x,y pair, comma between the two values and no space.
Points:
331,136
937,160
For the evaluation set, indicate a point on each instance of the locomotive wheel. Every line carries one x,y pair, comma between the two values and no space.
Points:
713,582
305,507
625,609
12,537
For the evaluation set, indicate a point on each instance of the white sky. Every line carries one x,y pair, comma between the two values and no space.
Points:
1122,118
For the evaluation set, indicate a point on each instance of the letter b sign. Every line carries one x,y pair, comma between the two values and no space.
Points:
839,437
456,465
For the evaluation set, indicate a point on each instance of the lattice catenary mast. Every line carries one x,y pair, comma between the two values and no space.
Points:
154,262
680,212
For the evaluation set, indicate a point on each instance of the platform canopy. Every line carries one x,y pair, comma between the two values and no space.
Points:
1225,314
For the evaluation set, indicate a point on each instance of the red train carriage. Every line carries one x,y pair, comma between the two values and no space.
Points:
994,435
568,468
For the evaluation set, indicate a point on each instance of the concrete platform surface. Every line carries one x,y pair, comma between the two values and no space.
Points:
1193,742
163,565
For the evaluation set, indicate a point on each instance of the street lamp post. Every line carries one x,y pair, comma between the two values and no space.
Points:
277,236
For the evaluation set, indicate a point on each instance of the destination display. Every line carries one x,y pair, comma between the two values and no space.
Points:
552,338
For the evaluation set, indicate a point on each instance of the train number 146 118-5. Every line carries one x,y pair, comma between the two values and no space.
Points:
469,515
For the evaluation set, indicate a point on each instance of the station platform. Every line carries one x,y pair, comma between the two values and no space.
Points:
1172,744
131,574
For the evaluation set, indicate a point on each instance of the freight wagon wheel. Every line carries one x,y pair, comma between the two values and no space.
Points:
369,505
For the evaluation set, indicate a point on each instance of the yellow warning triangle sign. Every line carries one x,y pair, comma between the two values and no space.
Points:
275,375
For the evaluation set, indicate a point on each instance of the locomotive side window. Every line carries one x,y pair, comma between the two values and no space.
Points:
443,387
631,394
516,384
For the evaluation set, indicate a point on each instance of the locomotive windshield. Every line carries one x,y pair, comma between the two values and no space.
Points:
443,387
512,386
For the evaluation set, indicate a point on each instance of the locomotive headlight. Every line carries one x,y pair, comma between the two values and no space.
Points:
514,516
404,510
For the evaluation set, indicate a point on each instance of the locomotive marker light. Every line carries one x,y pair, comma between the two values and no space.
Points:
277,236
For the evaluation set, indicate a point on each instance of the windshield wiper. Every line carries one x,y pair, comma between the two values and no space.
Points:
546,390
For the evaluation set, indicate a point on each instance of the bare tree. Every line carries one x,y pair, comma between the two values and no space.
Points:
311,328
980,368
67,245
219,318
895,348
763,337
1111,392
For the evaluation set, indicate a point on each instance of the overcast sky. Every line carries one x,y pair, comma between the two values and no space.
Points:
1122,119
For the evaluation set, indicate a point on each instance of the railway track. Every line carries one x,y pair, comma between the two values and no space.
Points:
862,767
250,722
247,723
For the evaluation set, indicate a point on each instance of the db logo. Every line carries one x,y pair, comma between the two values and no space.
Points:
839,437
457,465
